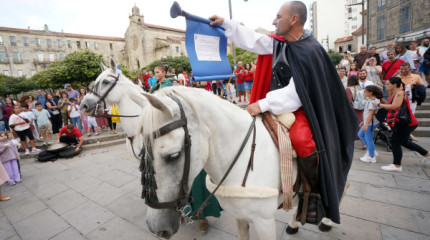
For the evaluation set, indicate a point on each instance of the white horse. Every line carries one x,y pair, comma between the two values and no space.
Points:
217,130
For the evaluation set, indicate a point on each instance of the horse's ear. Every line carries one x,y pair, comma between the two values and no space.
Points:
103,67
112,65
158,104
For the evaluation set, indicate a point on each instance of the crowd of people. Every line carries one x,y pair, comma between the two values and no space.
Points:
389,81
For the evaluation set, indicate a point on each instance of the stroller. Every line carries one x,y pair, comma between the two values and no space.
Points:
383,131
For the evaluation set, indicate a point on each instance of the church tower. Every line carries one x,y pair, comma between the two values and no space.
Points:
135,15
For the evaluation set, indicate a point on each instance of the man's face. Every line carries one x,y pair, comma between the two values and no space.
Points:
69,88
342,72
150,74
282,21
390,46
240,64
404,70
362,75
391,56
39,92
173,71
426,42
363,49
144,71
399,49
373,51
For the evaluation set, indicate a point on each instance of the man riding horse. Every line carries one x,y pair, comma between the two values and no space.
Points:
303,80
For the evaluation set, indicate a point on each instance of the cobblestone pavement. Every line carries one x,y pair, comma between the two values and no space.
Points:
97,196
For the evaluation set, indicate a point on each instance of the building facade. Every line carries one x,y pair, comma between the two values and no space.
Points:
398,20
24,52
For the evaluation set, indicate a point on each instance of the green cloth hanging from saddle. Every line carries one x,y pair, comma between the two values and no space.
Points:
199,192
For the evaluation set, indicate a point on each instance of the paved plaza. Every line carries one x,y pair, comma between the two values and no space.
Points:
97,196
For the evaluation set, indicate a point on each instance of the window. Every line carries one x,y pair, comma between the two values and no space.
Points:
177,49
405,18
61,56
354,27
381,5
69,44
16,58
87,44
33,72
25,41
19,73
1,40
350,47
38,42
111,46
12,40
3,57
78,44
59,42
51,57
40,57
380,29
48,42
6,72
96,45
354,19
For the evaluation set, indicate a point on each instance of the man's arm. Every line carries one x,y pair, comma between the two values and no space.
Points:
81,140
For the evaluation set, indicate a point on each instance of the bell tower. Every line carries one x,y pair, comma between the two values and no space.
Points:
135,15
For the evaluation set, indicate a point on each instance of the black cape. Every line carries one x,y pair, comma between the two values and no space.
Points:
330,115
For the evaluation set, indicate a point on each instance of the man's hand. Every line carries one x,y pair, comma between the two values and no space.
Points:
77,149
253,109
216,20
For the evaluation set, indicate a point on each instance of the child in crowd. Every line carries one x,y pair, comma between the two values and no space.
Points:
9,156
43,123
31,117
3,178
75,114
92,124
19,122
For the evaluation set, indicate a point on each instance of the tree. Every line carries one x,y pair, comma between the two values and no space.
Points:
14,85
172,62
335,57
242,55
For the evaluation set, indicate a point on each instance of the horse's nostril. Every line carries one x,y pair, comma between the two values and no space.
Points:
164,234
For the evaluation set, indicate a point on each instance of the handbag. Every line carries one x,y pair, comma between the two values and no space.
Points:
404,115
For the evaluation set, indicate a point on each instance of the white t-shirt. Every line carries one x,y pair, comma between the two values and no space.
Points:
372,75
74,112
369,106
365,84
16,119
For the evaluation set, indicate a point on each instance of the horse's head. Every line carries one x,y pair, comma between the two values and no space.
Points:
166,156
104,89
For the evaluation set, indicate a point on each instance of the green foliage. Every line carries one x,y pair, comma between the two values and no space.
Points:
126,72
79,68
172,62
14,85
335,57
242,55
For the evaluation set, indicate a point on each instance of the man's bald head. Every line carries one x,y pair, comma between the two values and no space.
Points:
299,8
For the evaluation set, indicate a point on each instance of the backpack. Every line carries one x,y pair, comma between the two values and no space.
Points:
45,156
381,114
359,101
419,94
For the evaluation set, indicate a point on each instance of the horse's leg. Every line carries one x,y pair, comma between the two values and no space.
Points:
243,227
292,226
266,228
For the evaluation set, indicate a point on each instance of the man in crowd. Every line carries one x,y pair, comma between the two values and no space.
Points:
383,56
409,80
362,77
389,68
152,79
71,92
423,48
312,91
342,76
71,135
374,54
41,98
173,72
424,44
144,78
346,60
361,57
240,83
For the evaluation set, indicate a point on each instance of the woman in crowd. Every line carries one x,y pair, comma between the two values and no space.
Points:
404,54
370,123
353,71
181,77
57,96
162,81
248,77
53,110
84,118
373,71
63,105
7,111
352,87
21,126
401,133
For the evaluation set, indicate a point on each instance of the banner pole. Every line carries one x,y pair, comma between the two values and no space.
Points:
233,48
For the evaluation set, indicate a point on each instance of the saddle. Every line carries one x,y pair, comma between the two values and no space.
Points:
310,209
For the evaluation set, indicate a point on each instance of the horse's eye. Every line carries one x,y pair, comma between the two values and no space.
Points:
173,157
105,81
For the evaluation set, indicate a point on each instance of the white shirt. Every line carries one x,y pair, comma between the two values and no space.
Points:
277,101
365,84
16,119
74,112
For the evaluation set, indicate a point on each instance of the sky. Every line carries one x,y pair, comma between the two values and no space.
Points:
110,17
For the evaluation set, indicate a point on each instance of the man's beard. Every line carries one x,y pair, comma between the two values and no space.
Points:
362,78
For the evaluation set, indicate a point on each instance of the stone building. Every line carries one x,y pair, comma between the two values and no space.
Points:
398,20
24,52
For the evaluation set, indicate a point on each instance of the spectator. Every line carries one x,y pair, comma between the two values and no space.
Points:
71,92
25,99
43,123
7,111
152,79
347,60
3,178
342,72
240,83
425,65
41,97
9,157
57,96
389,68
181,77
248,78
353,71
417,54
70,135
401,133
22,127
112,110
383,56
162,81
74,113
92,124
363,81
404,54
173,72
63,105
144,78
53,110
370,123
84,118
353,87
2,121
361,57
374,54
30,116
374,71
409,80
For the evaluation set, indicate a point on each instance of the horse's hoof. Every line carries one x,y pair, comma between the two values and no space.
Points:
291,230
324,228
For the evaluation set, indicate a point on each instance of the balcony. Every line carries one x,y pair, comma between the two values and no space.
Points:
18,61
4,61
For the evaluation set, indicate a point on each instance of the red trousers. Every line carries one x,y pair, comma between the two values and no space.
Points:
301,135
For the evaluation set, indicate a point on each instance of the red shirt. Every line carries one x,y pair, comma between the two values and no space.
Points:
75,132
238,75
393,69
248,77
405,101
145,79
